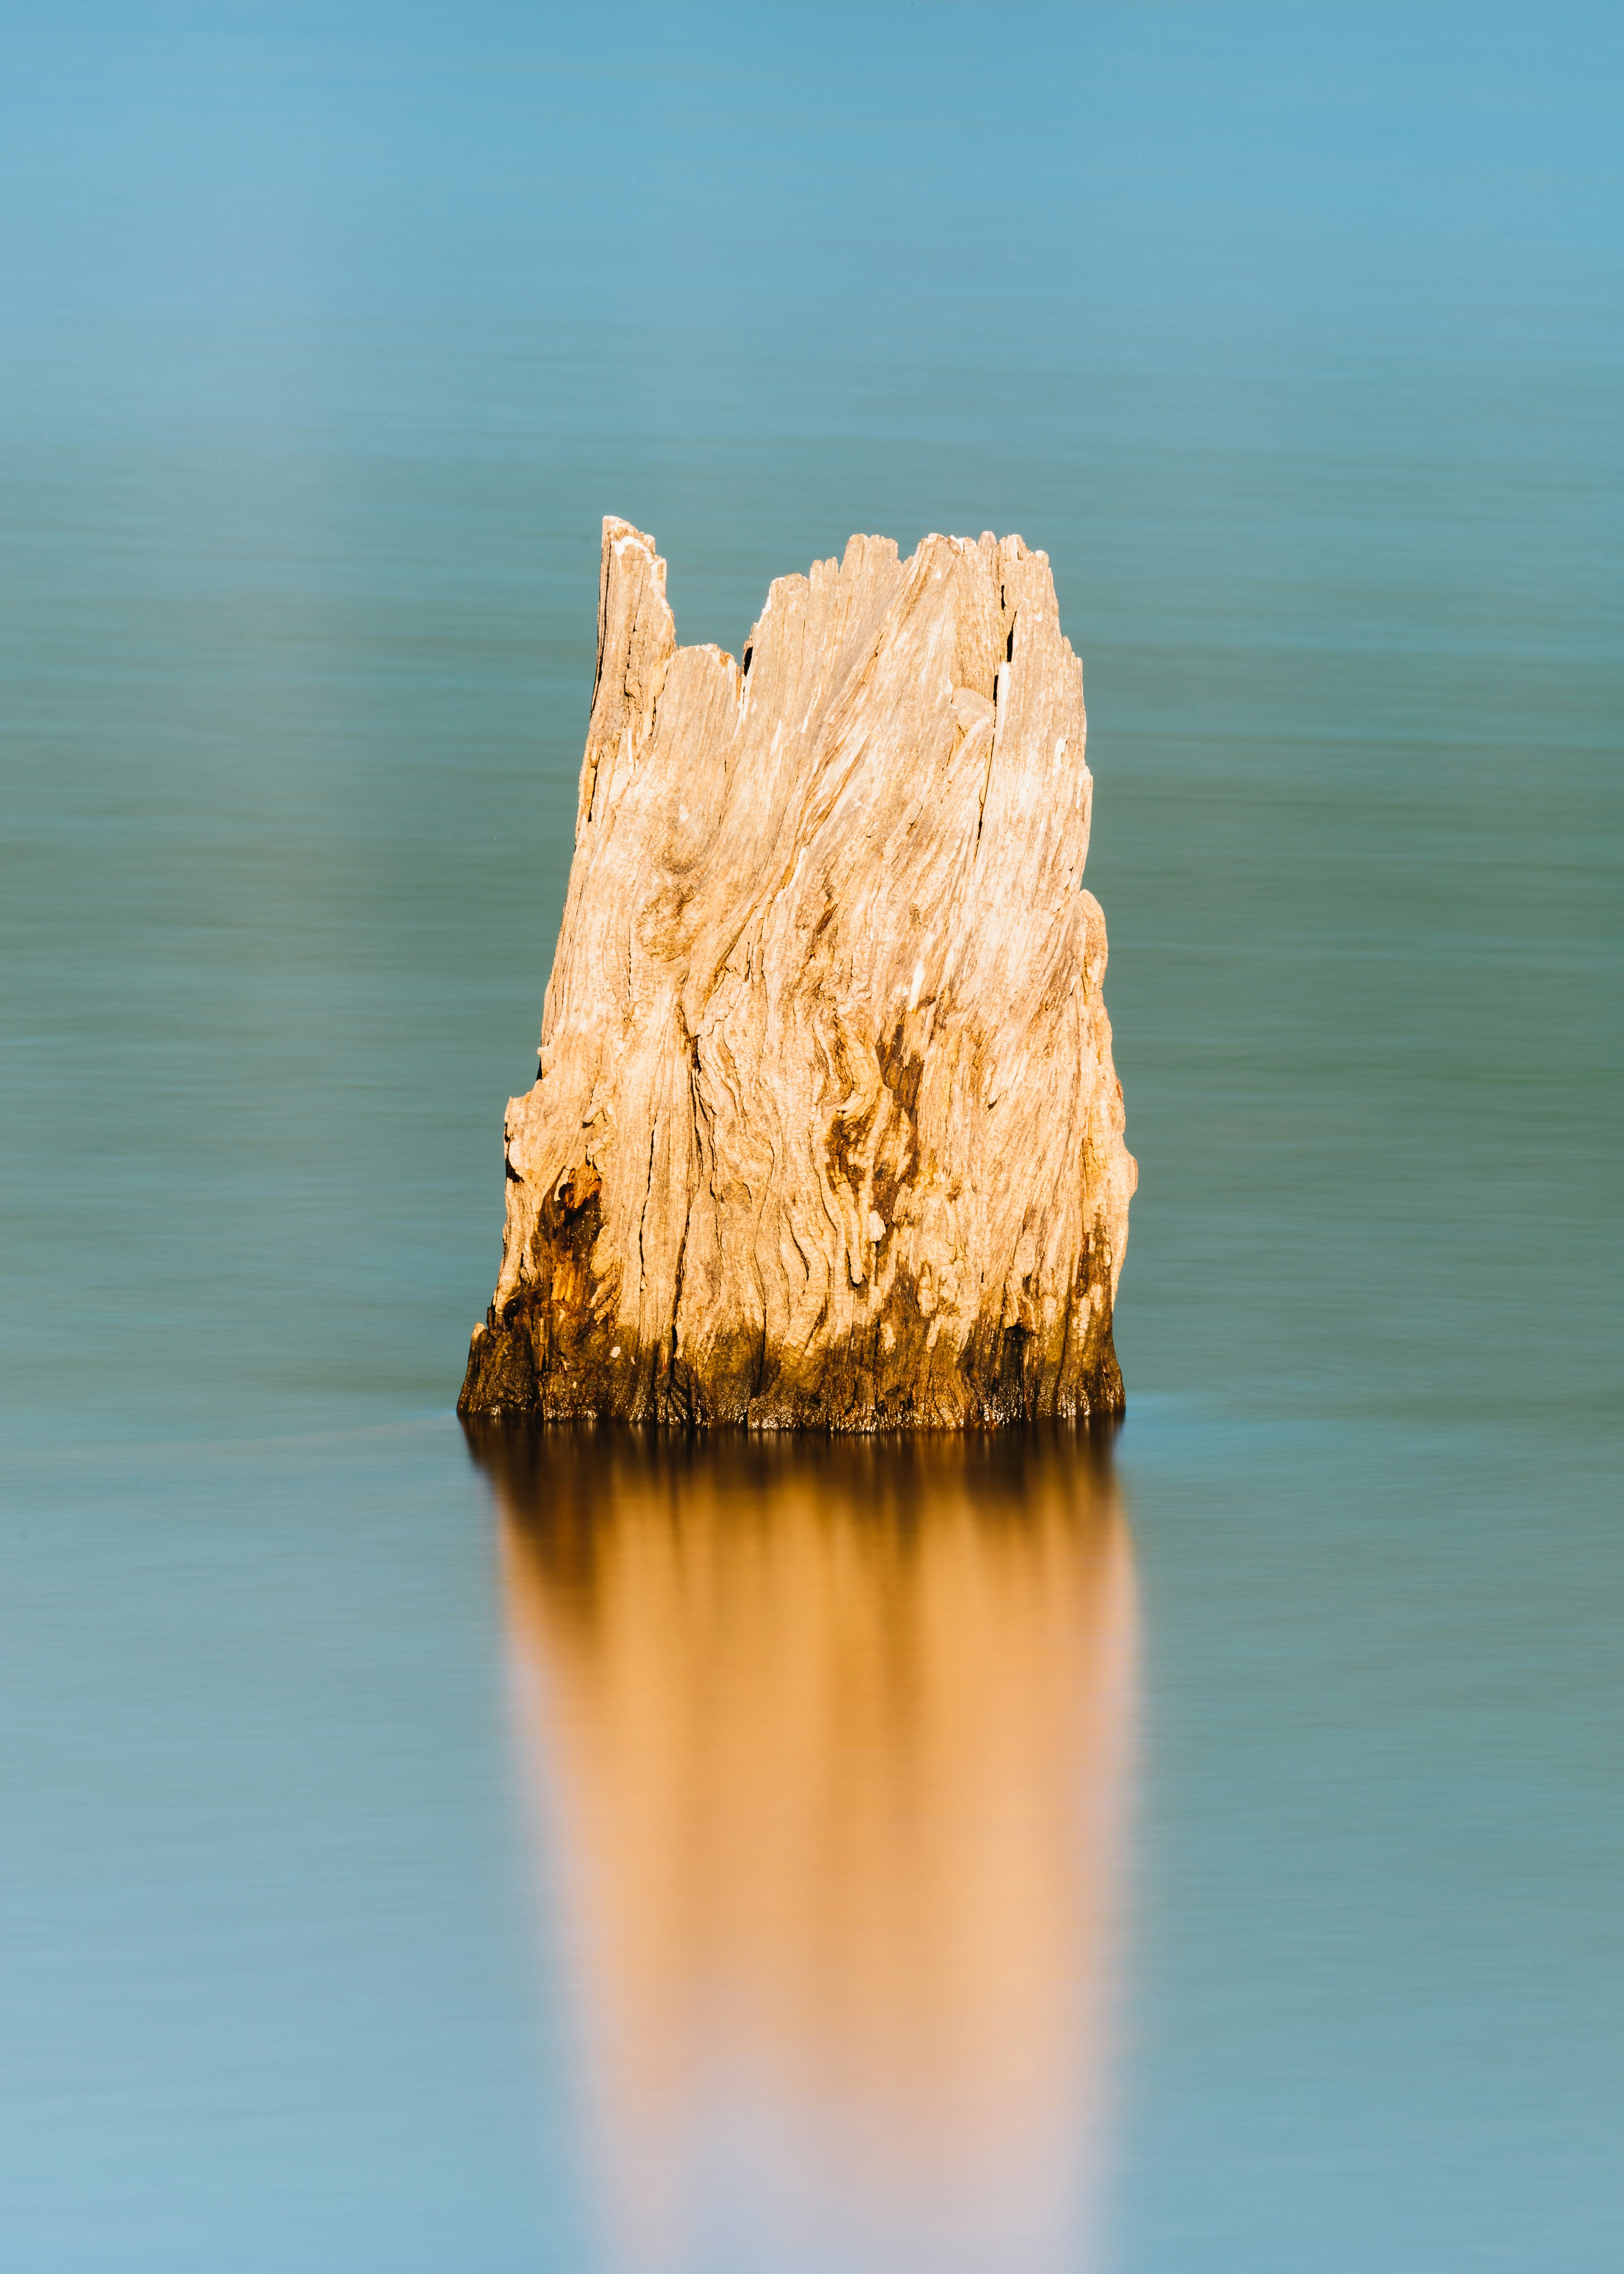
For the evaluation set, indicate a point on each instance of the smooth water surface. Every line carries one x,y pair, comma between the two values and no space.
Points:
1201,1848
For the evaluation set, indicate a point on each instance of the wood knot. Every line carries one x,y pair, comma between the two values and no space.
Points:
576,1187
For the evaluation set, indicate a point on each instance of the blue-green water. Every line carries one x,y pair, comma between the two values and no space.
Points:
346,1894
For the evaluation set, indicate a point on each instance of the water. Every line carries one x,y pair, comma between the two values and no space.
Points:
1202,1850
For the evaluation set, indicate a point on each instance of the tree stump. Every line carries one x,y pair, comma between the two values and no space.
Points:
826,1132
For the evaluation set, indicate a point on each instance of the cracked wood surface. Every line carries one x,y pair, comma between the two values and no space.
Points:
826,1130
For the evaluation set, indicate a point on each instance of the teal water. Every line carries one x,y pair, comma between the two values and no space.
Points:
1232,1879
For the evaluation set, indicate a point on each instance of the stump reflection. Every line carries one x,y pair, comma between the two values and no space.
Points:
830,1746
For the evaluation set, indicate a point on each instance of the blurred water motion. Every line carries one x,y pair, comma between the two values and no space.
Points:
830,1746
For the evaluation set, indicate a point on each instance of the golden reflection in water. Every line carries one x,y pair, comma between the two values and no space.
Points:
831,1745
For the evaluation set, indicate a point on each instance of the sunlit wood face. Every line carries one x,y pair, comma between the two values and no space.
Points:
830,1750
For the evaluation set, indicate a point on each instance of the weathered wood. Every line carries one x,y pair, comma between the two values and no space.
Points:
826,1132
